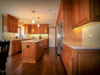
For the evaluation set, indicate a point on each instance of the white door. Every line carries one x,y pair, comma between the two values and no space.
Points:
51,37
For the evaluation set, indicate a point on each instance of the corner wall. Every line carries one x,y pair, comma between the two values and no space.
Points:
0,26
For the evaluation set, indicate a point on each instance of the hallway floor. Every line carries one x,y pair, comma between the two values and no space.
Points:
50,64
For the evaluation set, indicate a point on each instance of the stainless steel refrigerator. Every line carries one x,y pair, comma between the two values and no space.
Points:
60,38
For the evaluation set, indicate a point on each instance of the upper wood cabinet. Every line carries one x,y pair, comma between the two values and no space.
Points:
60,14
10,23
26,29
44,29
34,29
30,28
85,11
75,12
38,29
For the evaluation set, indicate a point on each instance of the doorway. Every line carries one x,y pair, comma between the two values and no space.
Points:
52,37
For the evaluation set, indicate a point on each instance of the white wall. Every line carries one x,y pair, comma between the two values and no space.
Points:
0,26
51,37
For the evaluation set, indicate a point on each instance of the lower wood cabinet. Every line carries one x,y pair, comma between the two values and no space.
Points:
45,43
32,51
15,47
81,62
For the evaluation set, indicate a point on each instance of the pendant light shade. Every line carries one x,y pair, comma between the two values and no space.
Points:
33,21
38,25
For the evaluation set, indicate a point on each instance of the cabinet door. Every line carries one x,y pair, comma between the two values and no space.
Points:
8,26
29,29
95,8
15,47
84,11
42,29
16,26
37,29
26,29
75,11
46,43
45,29
33,29
29,50
12,24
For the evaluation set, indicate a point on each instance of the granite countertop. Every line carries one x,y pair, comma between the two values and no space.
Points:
35,40
18,39
79,45
25,39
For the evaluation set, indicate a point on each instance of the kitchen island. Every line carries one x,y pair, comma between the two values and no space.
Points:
32,50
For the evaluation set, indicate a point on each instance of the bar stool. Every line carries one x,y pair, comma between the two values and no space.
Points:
4,49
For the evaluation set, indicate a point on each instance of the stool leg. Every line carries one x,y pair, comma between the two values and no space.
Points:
0,73
3,66
3,73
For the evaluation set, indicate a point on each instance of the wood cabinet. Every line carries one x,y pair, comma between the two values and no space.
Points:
66,56
15,47
32,51
26,29
30,28
34,29
85,11
81,62
45,43
38,29
75,13
10,23
60,17
86,62
95,10
44,29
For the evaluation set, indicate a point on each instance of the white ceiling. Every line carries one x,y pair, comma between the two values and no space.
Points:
46,9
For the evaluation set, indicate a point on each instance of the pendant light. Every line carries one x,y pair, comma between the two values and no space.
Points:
38,22
33,21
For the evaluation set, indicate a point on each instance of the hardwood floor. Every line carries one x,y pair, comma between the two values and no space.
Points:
50,64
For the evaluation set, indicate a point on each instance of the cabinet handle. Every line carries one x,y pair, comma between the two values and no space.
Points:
28,46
